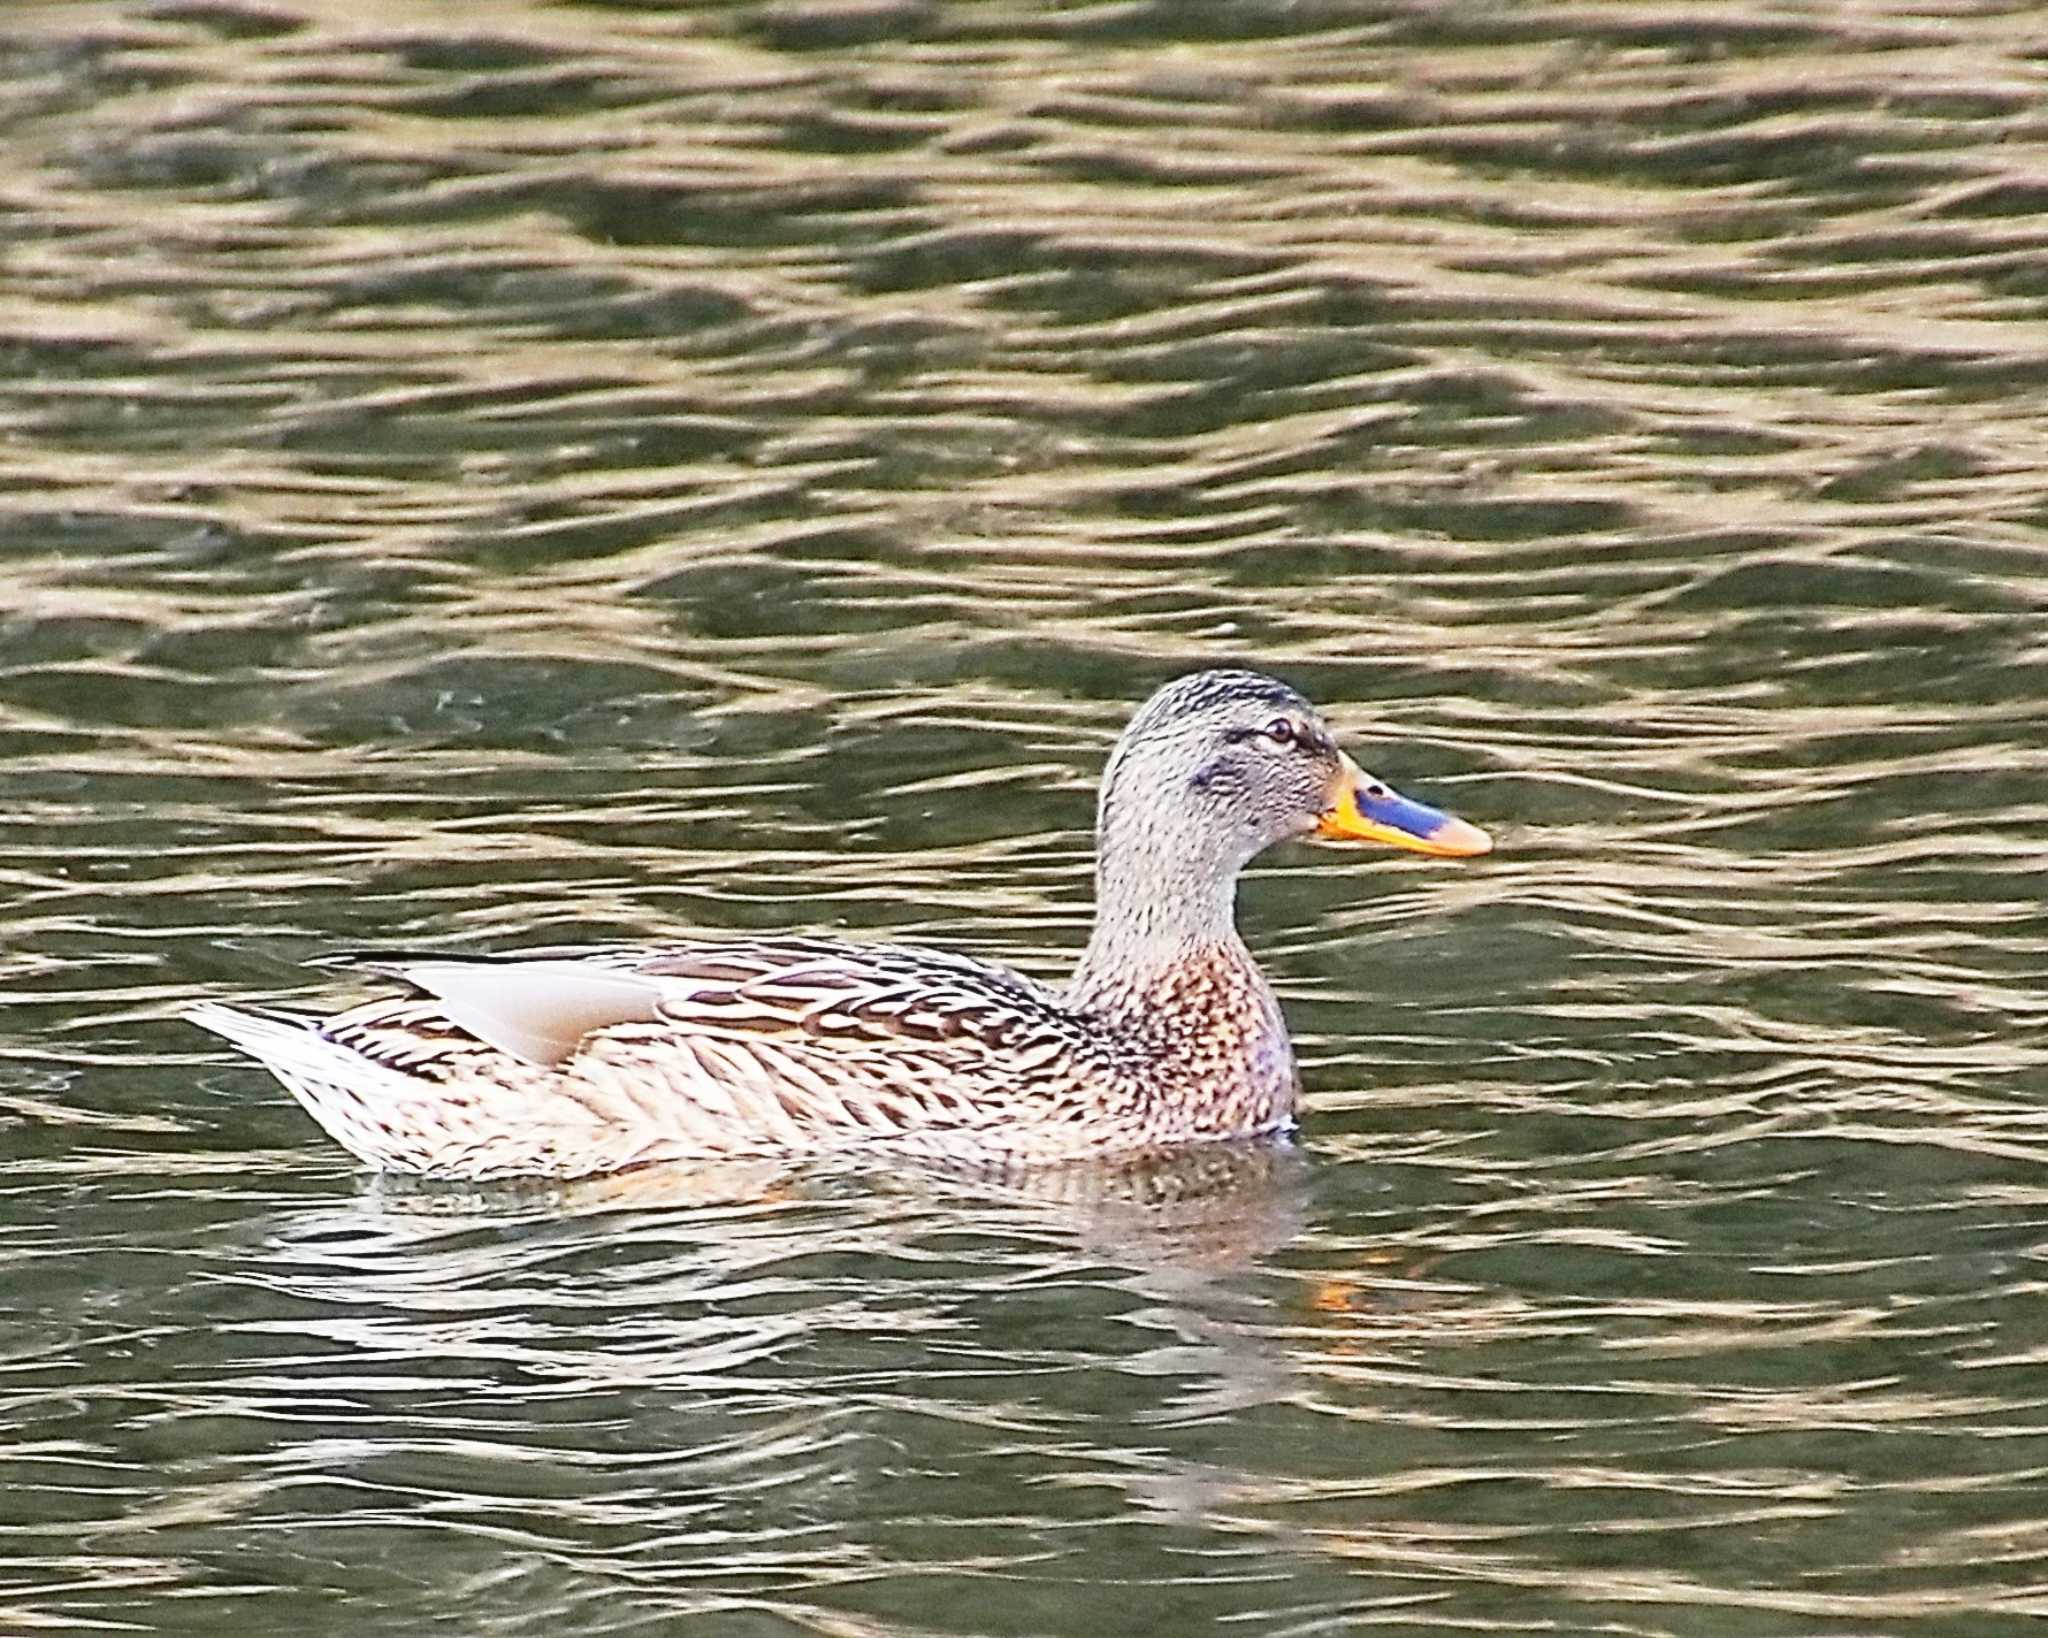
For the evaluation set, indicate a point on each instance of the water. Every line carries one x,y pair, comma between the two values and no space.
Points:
578,472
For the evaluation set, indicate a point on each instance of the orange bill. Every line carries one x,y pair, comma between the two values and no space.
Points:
1366,809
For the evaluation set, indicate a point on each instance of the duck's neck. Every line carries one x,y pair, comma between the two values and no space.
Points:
1166,969
1160,903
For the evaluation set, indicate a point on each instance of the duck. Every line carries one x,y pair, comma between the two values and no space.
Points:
566,1063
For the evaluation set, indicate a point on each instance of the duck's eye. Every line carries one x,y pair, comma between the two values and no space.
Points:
1281,732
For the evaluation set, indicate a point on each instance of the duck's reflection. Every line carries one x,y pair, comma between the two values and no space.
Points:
1210,1206
828,1345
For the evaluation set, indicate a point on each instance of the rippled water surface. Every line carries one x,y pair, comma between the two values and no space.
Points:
509,472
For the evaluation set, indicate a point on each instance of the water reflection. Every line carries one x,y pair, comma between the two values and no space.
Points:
701,1271
710,1356
1215,1206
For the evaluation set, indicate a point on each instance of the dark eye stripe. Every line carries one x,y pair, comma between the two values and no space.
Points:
1280,731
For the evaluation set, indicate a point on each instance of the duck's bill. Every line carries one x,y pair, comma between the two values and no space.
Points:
1367,810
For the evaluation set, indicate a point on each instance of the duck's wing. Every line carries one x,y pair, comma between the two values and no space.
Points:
542,1006
562,1063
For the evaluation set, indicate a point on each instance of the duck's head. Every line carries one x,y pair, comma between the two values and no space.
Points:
1218,766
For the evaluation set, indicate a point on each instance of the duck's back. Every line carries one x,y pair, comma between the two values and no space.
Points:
560,1063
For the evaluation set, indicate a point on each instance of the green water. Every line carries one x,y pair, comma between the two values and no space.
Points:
483,475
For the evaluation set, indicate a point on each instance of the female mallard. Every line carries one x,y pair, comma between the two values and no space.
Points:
564,1063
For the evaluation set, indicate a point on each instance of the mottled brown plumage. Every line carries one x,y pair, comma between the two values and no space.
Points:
568,1063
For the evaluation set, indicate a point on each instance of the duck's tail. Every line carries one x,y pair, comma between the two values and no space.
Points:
351,1097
